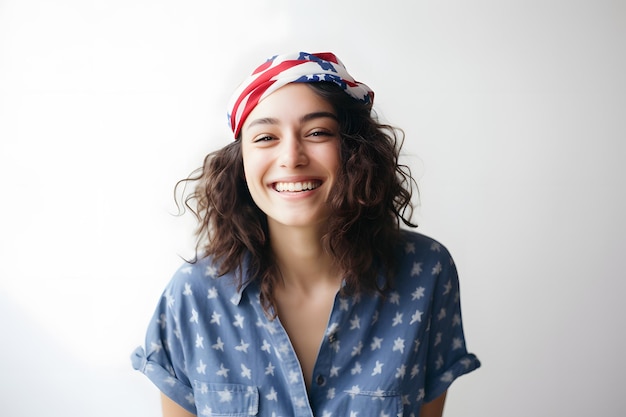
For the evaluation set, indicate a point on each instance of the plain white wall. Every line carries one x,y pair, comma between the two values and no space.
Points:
515,115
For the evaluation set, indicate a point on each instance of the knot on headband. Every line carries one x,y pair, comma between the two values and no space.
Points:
301,67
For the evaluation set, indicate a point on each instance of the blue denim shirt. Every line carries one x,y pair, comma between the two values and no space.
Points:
211,348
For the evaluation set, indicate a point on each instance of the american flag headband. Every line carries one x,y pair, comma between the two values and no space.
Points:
280,70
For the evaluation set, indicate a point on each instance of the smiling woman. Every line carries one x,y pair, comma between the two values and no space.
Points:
306,297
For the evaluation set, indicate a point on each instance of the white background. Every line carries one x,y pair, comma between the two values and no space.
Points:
515,116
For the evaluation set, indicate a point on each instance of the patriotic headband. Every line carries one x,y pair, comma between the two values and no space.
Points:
301,67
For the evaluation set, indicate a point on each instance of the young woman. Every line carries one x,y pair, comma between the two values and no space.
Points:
307,297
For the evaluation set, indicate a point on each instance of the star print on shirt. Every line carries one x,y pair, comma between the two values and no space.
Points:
210,271
409,247
294,377
162,321
378,369
219,345
447,376
283,349
238,320
417,269
246,372
199,341
378,395
421,394
187,291
242,347
356,369
375,317
215,318
225,396
266,347
223,371
354,391
416,317
170,299
418,293
394,298
194,316
401,371
376,343
416,344
457,343
201,368
273,395
156,347
398,345
439,362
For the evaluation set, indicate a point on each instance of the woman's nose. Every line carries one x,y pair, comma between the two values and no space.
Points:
292,152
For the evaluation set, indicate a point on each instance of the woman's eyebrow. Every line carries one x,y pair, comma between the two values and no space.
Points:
317,115
263,121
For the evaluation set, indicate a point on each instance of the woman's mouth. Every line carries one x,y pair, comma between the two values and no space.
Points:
294,187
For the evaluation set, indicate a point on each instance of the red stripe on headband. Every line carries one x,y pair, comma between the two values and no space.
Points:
261,84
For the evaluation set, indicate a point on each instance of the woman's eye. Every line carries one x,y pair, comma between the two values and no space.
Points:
320,133
263,139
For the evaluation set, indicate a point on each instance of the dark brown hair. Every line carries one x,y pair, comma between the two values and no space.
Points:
369,200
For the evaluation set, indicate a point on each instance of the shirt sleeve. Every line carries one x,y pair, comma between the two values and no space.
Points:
162,358
447,357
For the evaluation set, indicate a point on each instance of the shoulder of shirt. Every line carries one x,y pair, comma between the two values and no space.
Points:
200,276
418,244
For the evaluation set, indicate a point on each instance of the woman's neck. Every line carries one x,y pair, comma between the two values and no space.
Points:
303,262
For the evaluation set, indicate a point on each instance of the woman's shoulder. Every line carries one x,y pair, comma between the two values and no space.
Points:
423,262
199,277
415,244
417,252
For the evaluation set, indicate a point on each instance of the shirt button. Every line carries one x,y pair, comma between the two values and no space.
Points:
332,338
320,380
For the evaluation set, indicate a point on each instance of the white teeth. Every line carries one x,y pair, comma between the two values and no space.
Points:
296,186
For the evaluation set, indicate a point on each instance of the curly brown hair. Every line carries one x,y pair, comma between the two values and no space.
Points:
371,197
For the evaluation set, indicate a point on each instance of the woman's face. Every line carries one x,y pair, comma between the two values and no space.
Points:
290,147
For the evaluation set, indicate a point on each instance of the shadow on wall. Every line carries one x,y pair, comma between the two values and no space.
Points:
38,377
